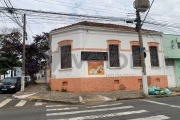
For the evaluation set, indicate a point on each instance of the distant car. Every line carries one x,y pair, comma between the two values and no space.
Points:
25,81
12,84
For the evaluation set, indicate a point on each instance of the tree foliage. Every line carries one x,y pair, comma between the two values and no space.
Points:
36,53
9,55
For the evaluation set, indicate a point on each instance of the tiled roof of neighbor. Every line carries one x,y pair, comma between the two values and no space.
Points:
104,25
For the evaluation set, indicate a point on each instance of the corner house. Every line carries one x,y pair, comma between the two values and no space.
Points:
89,56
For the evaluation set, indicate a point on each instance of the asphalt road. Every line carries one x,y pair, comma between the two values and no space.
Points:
148,109
5,95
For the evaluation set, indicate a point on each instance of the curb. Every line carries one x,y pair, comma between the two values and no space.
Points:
80,101
55,101
117,99
149,97
163,96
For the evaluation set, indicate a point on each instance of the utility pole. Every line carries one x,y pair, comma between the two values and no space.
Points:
141,6
24,50
143,65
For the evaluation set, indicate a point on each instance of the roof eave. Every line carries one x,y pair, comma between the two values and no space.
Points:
100,28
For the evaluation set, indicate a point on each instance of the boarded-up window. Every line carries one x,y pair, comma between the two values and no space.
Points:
154,56
66,57
136,56
114,55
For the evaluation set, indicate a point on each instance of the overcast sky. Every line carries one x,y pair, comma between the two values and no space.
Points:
162,11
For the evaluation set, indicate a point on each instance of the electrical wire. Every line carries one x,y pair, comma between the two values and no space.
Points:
45,15
147,12
84,7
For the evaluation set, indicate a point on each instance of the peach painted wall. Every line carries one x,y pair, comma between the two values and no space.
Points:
90,84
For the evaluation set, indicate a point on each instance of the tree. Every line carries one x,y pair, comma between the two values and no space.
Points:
9,55
36,55
3,66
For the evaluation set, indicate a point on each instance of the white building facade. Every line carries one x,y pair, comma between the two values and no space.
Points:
101,57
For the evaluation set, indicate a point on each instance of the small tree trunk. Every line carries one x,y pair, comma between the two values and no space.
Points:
32,82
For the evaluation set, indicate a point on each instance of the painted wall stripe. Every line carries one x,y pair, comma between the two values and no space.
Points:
55,105
158,117
5,102
159,103
21,103
38,103
104,115
85,111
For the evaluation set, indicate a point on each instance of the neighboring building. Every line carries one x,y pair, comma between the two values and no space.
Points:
172,57
12,73
91,56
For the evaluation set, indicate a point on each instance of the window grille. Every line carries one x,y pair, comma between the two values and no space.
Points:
114,55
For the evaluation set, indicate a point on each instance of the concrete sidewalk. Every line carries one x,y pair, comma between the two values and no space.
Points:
40,92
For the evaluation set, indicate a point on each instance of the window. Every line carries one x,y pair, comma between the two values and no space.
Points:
136,56
66,56
154,56
169,62
114,55
178,45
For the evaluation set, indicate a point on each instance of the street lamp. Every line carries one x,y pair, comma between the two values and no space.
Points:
141,6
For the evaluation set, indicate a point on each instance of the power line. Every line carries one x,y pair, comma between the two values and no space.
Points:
147,12
65,14
10,10
75,15
17,20
84,7
56,16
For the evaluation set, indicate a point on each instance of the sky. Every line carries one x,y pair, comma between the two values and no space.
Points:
164,12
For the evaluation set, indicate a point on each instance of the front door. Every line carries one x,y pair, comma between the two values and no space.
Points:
170,71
